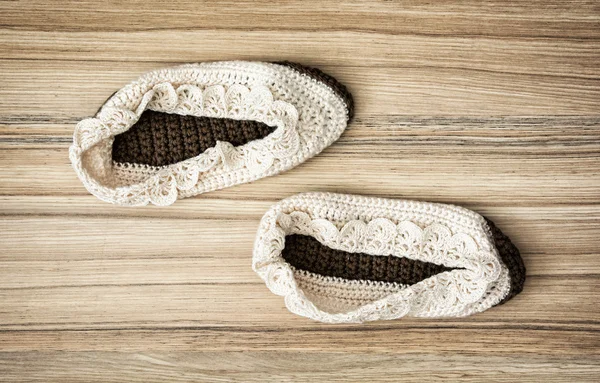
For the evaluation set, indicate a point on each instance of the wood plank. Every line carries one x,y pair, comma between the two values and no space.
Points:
428,174
550,136
483,339
151,305
32,96
548,57
287,366
105,238
474,18
553,240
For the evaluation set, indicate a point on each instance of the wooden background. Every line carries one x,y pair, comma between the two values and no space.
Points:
494,106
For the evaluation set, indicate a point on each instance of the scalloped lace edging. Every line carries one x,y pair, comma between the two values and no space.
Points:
161,186
453,293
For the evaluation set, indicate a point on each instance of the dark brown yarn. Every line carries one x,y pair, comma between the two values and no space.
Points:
326,79
306,253
160,139
511,257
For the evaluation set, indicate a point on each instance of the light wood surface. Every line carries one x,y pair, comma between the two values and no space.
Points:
493,106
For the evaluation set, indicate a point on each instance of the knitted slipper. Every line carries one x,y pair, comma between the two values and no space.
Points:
343,258
187,130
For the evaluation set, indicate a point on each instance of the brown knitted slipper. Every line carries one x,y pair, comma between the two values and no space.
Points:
183,131
342,258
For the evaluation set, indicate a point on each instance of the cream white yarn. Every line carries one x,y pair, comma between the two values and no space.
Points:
429,232
309,116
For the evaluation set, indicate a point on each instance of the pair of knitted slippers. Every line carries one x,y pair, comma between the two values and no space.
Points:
183,131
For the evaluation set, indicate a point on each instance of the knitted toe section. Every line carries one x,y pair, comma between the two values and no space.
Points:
511,257
339,88
160,139
308,254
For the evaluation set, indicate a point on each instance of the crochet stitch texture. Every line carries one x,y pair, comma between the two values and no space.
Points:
344,258
239,121
160,139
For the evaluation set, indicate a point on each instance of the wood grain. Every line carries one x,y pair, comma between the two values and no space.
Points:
493,106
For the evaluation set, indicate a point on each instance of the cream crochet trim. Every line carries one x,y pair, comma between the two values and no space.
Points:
308,115
340,295
428,232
